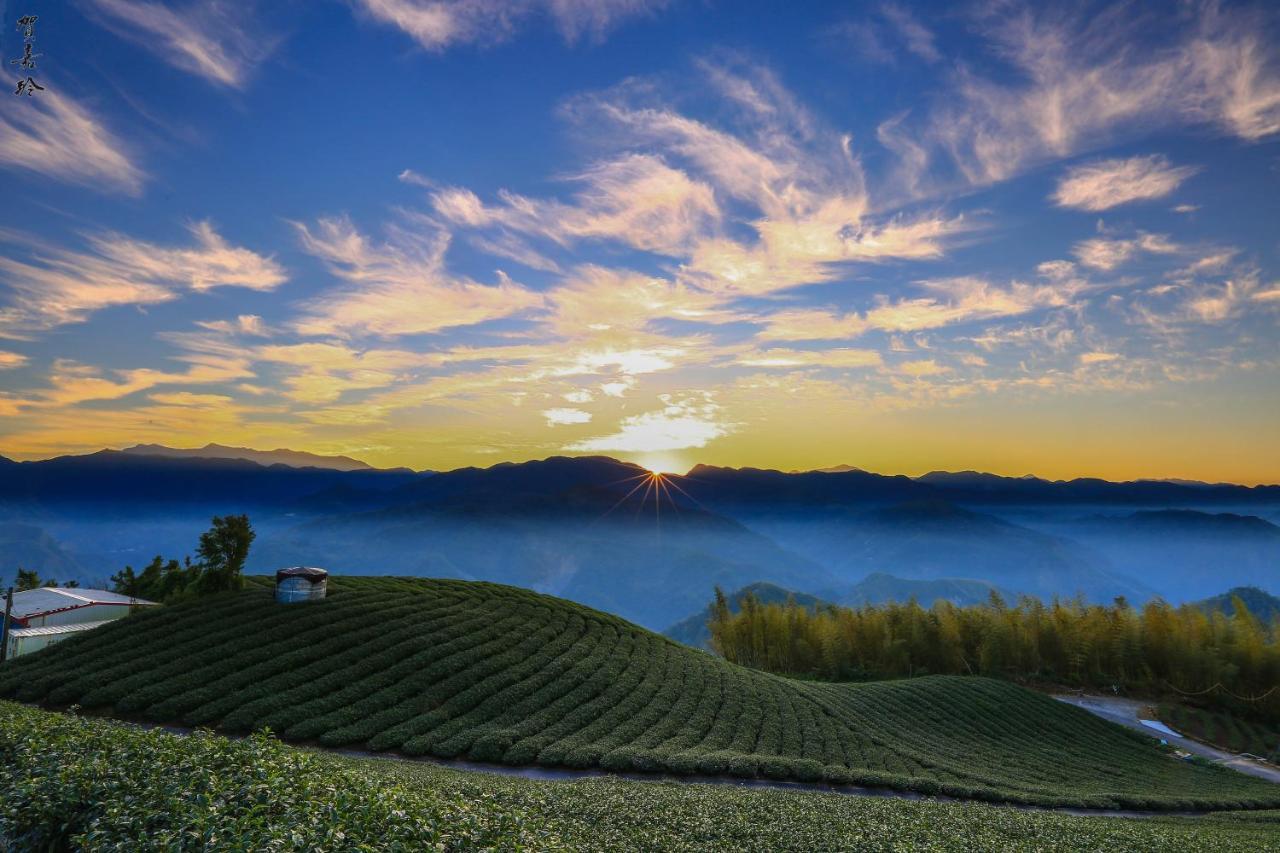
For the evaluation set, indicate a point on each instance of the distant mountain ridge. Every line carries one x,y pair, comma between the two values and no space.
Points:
881,587
1264,606
745,487
566,525
279,456
693,631
128,482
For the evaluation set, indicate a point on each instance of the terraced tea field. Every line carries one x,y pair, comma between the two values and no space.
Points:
71,783
499,674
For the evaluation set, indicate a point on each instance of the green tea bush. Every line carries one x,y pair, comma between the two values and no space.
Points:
74,783
458,669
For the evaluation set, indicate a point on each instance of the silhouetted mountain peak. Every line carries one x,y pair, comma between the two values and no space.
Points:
279,456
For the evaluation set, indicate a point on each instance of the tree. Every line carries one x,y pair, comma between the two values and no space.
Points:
222,552
223,549
27,579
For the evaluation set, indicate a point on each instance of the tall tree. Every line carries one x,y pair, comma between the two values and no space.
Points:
222,552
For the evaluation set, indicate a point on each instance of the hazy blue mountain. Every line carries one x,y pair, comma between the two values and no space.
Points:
881,587
1187,554
552,524
26,546
279,456
693,631
652,564
934,539
1263,605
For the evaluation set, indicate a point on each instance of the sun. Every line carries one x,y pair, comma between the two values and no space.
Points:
662,463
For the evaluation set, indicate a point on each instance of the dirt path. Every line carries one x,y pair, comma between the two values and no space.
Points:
1127,712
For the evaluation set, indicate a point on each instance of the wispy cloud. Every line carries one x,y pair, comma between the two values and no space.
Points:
1104,253
799,185
243,324
58,285
1108,183
213,39
878,37
952,301
919,39
834,357
400,287
636,199
11,360
61,139
439,24
1082,81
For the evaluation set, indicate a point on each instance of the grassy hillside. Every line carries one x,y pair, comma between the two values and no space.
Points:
74,783
492,673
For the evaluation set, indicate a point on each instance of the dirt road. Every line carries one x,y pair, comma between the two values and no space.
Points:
1127,712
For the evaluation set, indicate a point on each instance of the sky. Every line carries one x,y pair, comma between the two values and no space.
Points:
1020,238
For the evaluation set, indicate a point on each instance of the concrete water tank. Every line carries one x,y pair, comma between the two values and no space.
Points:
300,583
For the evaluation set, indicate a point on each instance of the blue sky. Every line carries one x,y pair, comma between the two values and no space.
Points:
901,236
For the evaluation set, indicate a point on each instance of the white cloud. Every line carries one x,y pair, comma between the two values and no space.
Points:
61,139
953,300
563,417
62,286
617,388
1108,183
687,422
636,199
243,324
438,24
1106,254
209,38
1082,83
400,287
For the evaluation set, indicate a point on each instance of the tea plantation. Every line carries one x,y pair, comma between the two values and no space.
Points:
498,674
97,785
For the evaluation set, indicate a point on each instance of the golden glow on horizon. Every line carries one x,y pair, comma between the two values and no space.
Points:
663,463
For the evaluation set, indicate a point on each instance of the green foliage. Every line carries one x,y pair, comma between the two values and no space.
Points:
1223,730
27,579
222,552
1230,662
94,785
460,669
75,784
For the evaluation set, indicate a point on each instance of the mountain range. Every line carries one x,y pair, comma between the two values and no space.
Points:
614,536
279,456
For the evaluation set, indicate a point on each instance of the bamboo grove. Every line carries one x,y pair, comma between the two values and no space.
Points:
1230,662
